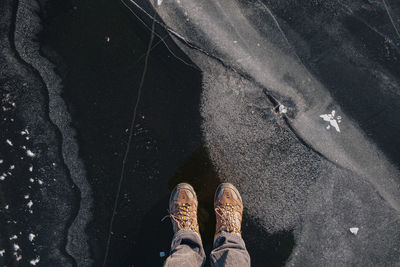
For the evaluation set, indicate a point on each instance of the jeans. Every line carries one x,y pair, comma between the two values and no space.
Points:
187,251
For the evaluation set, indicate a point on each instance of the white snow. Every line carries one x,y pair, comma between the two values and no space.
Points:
2,177
31,180
9,142
40,181
332,121
13,237
30,153
354,230
30,203
26,196
16,247
159,2
35,261
2,252
18,257
31,237
1,161
6,207
282,109
31,168
12,167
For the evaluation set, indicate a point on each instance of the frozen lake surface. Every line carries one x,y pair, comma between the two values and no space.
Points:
106,105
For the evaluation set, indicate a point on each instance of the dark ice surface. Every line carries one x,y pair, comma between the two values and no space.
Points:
107,105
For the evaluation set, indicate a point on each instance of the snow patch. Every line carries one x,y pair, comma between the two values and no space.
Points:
282,109
354,230
35,261
16,247
30,153
17,257
31,237
334,122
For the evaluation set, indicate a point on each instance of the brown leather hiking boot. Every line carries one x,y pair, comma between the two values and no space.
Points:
183,208
228,207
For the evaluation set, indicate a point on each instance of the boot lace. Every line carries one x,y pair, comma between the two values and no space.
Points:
184,217
229,218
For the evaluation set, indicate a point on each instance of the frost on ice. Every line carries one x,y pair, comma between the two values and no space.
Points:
334,122
354,230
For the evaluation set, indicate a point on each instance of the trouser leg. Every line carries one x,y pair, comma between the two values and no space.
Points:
186,250
229,250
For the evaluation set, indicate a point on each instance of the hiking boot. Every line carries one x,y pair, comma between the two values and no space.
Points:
183,208
228,207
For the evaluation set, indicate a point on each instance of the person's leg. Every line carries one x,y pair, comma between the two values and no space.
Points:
186,246
229,248
186,250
